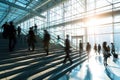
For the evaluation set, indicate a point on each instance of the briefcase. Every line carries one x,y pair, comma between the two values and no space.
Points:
115,55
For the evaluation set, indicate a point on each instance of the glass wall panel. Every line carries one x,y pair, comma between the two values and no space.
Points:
117,28
104,29
116,18
101,3
91,19
117,42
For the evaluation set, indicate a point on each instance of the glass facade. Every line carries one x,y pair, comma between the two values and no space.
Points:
92,21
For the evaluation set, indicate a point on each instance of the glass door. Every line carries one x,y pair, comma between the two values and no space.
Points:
76,40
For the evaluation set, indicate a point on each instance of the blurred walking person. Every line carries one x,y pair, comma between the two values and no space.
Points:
58,38
35,29
12,36
99,48
88,49
31,39
113,51
95,48
80,47
112,48
106,54
5,30
67,50
46,41
19,31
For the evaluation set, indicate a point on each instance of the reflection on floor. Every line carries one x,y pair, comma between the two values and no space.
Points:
95,70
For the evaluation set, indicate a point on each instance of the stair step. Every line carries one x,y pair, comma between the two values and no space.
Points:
22,64
42,68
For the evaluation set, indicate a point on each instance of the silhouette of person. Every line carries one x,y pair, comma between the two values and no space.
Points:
108,49
105,53
46,41
113,51
88,49
112,48
5,30
99,48
67,49
12,36
35,29
80,47
31,39
58,38
95,48
19,31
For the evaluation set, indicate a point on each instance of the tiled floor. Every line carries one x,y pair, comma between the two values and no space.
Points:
95,70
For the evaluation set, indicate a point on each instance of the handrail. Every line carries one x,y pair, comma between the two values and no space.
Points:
63,40
53,37
24,31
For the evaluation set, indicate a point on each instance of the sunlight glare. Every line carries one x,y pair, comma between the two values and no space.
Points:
92,22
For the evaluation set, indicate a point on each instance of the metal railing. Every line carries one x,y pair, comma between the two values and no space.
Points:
54,38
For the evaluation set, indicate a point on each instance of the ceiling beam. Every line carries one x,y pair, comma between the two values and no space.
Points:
85,19
43,4
26,17
22,8
44,8
53,3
